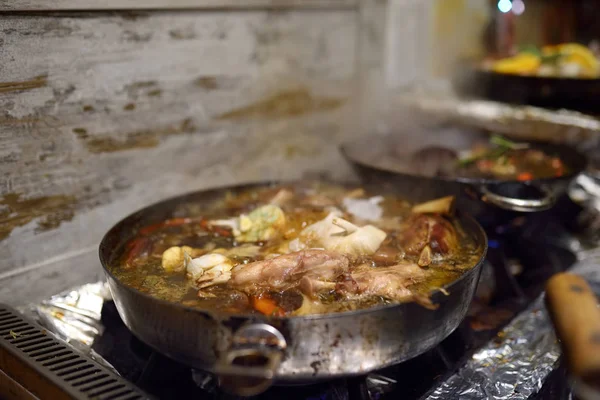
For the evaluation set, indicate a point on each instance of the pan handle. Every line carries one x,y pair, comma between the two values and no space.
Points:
517,196
248,368
573,308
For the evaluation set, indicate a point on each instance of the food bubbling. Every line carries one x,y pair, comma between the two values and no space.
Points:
292,250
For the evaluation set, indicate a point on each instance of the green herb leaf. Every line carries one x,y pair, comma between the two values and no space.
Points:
502,142
551,58
531,49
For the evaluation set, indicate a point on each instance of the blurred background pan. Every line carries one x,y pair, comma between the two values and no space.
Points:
550,92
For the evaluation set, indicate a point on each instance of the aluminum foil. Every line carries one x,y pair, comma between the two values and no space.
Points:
74,315
515,364
512,367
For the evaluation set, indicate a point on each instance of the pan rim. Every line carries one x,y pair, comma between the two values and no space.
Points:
475,229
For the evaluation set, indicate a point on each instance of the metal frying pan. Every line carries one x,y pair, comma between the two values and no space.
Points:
283,349
397,158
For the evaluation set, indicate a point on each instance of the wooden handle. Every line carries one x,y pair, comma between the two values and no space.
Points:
574,311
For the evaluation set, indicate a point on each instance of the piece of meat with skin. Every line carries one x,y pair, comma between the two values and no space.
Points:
286,270
430,234
389,282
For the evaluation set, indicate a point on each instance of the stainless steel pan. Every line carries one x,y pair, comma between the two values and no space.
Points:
396,158
250,352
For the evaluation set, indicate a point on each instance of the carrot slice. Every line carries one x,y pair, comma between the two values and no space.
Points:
266,306
215,229
147,230
135,248
525,176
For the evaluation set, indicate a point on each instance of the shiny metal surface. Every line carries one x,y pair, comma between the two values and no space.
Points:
546,201
390,158
248,367
317,347
515,364
515,121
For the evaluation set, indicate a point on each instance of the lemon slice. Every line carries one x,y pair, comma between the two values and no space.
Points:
522,63
581,55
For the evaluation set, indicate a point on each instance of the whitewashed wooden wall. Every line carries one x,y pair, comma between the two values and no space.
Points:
103,112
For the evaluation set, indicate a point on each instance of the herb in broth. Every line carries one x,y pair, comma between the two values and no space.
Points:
508,160
300,250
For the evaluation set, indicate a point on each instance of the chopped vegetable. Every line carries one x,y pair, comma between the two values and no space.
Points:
282,197
509,160
523,63
247,250
169,222
135,249
525,176
173,258
580,55
208,270
487,156
216,226
264,223
336,234
443,206
502,142
367,209
266,306
571,60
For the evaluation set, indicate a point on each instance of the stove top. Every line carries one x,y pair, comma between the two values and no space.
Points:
520,261
524,251
414,379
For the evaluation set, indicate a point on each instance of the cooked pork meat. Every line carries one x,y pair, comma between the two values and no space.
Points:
428,236
285,270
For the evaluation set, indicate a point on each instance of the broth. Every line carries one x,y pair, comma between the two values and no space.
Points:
298,250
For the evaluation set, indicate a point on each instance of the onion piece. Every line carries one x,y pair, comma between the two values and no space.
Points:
443,206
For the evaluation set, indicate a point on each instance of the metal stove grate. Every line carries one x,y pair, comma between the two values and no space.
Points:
49,368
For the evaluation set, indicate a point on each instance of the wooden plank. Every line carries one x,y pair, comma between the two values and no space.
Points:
70,5
105,114
13,390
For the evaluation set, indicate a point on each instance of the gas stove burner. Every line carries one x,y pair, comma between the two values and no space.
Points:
371,386
357,388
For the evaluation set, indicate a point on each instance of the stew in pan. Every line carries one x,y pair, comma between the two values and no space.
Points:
300,249
499,159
